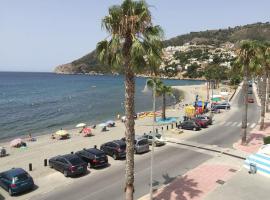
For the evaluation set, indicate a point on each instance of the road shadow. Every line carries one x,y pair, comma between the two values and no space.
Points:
179,187
255,136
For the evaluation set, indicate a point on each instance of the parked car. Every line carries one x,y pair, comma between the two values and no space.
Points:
141,144
190,125
250,92
250,100
16,181
116,149
94,157
69,164
158,139
223,105
205,118
201,122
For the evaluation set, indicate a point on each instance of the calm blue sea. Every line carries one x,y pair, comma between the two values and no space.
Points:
43,102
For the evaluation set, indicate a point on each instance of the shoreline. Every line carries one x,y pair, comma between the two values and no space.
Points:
71,127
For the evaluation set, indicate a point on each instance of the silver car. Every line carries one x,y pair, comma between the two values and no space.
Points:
141,144
158,139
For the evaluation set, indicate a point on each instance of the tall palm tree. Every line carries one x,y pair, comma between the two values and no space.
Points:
133,45
161,90
263,57
154,83
246,54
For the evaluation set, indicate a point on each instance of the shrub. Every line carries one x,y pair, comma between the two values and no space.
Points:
266,140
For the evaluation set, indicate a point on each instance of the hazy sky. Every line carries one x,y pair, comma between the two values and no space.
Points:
37,35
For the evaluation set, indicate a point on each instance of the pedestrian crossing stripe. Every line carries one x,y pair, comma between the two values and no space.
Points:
237,124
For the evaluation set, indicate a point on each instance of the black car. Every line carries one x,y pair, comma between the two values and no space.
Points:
190,125
94,157
205,118
69,164
222,106
16,181
116,149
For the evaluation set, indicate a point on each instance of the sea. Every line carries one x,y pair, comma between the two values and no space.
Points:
40,103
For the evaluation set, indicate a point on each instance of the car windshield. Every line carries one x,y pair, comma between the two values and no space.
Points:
158,136
75,161
143,142
20,177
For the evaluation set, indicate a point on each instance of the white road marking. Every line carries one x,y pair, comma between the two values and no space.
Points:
240,124
228,123
253,125
234,123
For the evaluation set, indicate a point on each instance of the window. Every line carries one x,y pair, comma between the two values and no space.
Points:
20,177
75,161
142,142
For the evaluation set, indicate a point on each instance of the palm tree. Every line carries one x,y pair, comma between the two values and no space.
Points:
133,45
263,57
154,83
161,90
246,54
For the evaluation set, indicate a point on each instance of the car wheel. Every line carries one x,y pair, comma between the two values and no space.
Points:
135,151
114,156
65,173
10,192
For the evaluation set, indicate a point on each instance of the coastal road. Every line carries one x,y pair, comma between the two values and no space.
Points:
170,161
228,132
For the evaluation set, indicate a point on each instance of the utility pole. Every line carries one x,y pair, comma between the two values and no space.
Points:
153,142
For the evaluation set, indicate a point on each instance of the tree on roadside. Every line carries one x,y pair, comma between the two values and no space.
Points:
246,55
263,59
133,46
161,91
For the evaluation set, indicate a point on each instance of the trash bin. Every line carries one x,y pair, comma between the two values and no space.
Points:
252,168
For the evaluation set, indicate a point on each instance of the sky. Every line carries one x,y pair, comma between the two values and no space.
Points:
37,35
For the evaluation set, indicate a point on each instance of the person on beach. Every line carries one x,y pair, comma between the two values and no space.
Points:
30,138
52,137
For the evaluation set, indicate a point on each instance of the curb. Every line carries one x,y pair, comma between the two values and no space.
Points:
208,148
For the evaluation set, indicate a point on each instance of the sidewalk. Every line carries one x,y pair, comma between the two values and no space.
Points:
200,181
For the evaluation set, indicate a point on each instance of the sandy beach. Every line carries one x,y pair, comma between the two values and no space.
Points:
45,147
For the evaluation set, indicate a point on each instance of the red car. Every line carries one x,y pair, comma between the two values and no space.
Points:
250,100
202,123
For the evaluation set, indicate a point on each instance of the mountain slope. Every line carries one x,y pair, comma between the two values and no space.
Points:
257,31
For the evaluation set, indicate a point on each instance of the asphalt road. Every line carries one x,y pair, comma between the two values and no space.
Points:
225,135
169,162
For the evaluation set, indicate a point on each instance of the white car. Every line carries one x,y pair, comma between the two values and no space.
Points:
158,139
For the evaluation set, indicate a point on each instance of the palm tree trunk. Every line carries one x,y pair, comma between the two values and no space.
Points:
263,101
267,93
163,106
130,132
245,107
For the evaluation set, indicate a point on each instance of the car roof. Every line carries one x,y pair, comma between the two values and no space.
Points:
15,172
94,151
69,156
119,142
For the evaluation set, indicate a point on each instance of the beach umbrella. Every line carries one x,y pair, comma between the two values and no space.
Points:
61,133
15,142
110,122
103,124
80,125
86,131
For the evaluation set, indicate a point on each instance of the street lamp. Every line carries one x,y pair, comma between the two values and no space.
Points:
153,138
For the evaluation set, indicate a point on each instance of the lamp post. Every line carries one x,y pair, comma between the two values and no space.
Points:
153,140
146,88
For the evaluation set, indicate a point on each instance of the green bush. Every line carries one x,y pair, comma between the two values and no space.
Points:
266,140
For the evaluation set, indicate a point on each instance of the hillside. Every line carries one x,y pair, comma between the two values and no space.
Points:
257,31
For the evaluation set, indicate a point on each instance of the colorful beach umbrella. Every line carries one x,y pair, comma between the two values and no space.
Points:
15,142
61,133
80,125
